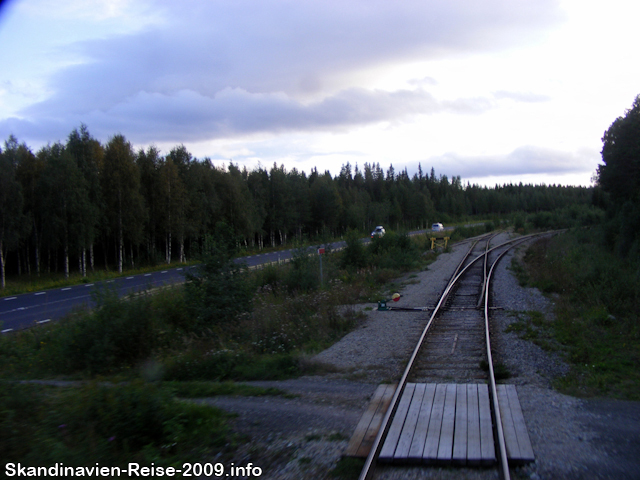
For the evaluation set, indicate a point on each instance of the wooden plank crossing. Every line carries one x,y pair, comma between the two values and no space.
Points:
519,448
443,424
367,429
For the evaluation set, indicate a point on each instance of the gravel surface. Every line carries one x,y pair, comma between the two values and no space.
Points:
303,437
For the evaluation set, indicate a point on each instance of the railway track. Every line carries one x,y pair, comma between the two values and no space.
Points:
454,349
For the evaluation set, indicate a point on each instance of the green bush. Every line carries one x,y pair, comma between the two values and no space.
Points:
118,333
20,416
113,424
462,232
393,251
568,217
303,274
230,365
596,310
269,278
354,255
219,290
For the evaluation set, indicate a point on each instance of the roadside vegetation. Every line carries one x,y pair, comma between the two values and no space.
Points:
133,361
597,298
111,425
593,274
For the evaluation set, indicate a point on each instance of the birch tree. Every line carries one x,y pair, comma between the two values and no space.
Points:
121,188
68,210
173,202
11,216
88,154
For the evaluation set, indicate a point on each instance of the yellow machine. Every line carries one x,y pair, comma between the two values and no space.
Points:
439,242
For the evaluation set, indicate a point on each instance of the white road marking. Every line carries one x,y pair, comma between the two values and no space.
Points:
44,321
7,330
147,274
11,298
129,278
89,285
65,289
40,293
163,271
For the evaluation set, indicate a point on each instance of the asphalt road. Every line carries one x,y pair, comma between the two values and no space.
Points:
32,309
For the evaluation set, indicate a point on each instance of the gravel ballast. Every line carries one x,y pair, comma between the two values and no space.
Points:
303,437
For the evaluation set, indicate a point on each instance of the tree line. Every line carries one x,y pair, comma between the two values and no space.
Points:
619,180
110,205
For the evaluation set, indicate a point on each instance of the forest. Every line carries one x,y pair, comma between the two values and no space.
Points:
85,205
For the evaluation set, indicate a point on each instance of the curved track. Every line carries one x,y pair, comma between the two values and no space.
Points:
455,345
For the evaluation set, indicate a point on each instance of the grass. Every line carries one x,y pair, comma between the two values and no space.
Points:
532,326
153,353
347,468
597,299
500,370
110,425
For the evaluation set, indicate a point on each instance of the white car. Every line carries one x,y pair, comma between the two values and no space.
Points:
437,227
378,232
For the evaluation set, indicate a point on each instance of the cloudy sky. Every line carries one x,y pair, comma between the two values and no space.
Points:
495,91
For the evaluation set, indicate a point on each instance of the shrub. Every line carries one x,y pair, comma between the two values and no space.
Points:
20,415
269,278
230,365
393,251
463,232
596,310
219,290
118,333
303,274
101,423
354,255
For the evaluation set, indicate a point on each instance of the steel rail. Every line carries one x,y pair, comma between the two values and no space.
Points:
484,271
367,469
504,462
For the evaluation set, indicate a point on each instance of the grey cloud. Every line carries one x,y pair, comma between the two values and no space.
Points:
189,116
523,160
232,112
245,66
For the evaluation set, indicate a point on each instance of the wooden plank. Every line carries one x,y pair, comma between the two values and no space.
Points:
445,446
376,421
524,442
420,435
459,455
391,441
365,421
435,424
487,448
510,439
409,427
473,426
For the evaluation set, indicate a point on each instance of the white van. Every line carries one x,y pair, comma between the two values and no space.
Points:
437,227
